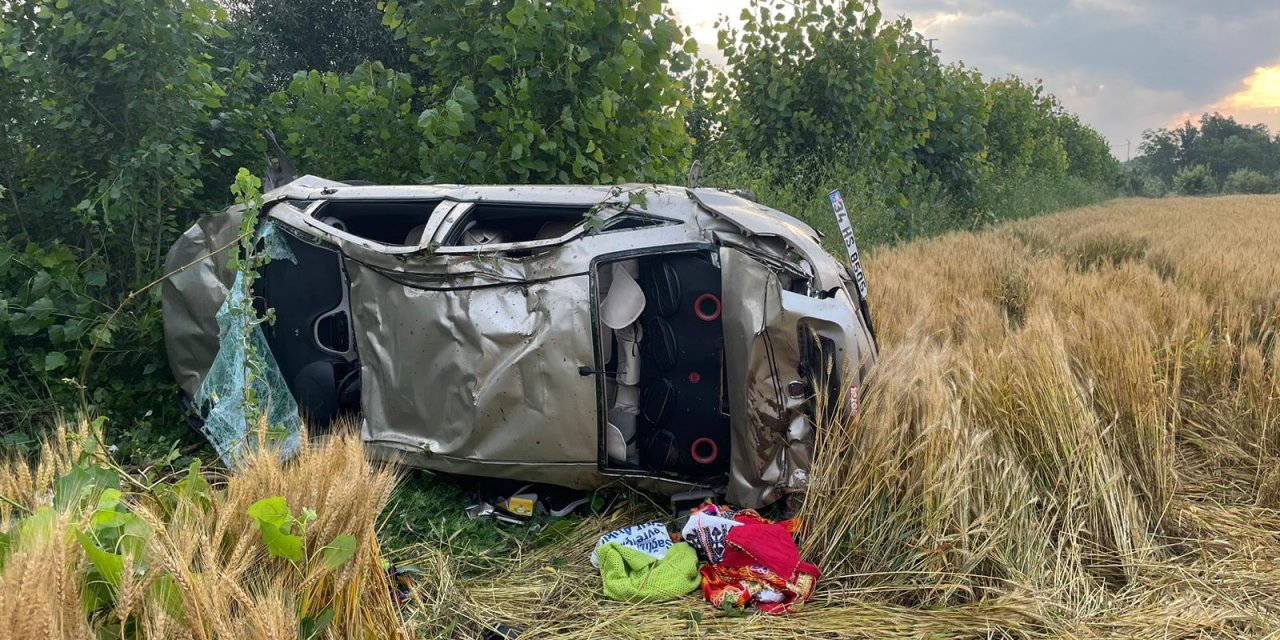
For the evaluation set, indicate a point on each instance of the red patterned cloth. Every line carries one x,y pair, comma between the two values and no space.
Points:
761,567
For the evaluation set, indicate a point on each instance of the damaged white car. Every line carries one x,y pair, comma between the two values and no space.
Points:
567,335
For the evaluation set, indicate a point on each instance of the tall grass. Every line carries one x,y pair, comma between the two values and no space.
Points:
194,564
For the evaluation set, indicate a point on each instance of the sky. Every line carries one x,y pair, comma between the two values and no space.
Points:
1123,65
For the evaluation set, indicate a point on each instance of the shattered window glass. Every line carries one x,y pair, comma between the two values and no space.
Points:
228,382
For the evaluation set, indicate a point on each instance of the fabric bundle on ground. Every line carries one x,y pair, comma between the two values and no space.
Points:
631,575
652,538
707,532
760,567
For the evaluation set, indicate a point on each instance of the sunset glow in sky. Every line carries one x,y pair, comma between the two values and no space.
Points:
1262,91
1122,65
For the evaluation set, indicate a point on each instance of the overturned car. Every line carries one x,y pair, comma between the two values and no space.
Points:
673,337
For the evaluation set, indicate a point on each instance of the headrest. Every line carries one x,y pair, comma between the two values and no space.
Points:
625,300
615,444
476,234
415,235
552,229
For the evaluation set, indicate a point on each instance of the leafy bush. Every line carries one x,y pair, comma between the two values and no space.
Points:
299,35
360,125
526,91
116,131
1216,140
1195,181
1153,187
1248,181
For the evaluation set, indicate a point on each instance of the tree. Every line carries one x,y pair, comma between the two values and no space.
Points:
1022,134
358,125
835,78
302,35
113,120
1217,141
116,131
815,80
529,91
1158,154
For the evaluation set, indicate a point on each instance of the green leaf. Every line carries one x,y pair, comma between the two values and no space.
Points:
110,54
516,14
193,486
338,552
165,591
280,544
109,499
312,626
464,45
54,360
109,565
80,482
273,511
275,521
134,536
38,526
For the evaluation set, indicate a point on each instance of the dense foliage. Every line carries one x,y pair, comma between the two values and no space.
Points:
115,132
1239,158
524,91
1194,181
824,93
121,121
324,35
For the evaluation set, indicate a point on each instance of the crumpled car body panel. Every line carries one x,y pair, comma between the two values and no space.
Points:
491,360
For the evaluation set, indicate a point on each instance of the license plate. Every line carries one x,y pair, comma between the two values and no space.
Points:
846,233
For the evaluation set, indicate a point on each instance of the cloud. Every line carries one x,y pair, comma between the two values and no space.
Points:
1261,91
1257,100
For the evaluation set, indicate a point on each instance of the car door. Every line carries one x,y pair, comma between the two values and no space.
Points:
470,352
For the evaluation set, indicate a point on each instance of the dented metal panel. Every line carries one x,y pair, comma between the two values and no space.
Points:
758,220
191,297
465,374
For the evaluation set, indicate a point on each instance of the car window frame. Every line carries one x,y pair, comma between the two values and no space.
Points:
459,216
435,219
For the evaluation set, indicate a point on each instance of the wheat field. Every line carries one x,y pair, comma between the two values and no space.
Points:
1073,432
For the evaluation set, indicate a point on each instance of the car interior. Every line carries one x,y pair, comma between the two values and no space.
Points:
667,408
312,338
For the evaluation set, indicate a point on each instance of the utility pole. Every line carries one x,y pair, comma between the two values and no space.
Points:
929,42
